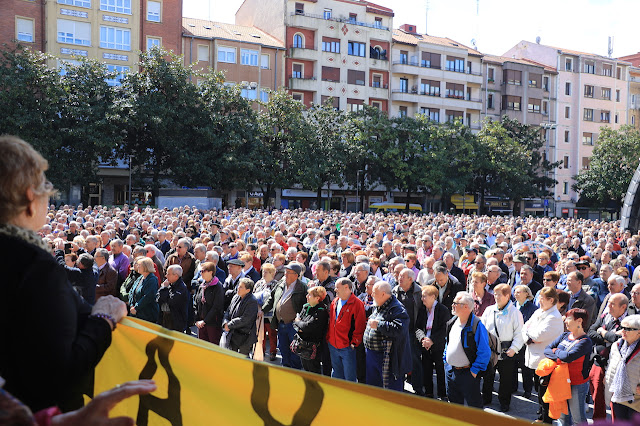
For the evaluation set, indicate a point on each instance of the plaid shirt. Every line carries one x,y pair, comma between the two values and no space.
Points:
373,339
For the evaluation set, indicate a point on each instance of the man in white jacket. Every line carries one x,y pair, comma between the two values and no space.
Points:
504,321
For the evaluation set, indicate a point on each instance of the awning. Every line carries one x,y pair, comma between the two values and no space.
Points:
465,202
466,206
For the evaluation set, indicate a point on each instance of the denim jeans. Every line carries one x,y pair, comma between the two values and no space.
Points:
286,334
343,362
577,407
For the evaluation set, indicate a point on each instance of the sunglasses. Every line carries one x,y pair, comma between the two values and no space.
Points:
629,329
582,268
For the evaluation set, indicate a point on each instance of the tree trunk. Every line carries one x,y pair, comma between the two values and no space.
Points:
266,197
362,194
319,197
406,207
516,207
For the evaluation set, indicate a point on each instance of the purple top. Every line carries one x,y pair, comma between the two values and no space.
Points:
120,263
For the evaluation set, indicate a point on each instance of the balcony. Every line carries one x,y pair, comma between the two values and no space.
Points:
379,92
309,20
399,95
309,54
306,84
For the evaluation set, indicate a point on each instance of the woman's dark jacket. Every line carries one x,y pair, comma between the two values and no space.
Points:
211,311
438,329
313,323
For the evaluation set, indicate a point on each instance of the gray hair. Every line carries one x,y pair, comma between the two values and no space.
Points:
200,247
117,242
186,242
632,321
102,252
409,272
140,250
447,255
247,283
364,267
465,298
215,257
177,269
526,268
526,289
383,286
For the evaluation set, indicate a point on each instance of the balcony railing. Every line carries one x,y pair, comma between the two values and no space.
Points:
345,20
379,86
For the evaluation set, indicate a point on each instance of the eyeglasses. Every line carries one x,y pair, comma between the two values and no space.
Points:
582,268
629,329
624,276
458,304
547,279
635,293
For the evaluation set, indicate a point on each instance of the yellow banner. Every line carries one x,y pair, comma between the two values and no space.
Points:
201,384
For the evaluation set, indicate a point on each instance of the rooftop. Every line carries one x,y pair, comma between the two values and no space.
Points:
400,36
218,30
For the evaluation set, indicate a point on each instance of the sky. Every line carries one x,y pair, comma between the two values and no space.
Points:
497,25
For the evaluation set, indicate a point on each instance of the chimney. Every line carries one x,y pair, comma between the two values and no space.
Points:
409,28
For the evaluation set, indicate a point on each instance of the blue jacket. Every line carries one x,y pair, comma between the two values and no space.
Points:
477,349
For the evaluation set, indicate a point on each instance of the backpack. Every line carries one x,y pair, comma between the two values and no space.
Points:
493,343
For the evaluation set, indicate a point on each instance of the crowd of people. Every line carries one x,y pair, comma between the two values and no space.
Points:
370,298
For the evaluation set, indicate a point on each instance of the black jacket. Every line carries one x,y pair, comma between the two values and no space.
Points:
602,345
458,274
50,345
253,274
313,323
298,298
83,280
241,320
211,311
452,288
438,329
176,296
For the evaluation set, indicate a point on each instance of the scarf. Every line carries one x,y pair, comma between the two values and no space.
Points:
204,286
430,319
25,235
621,386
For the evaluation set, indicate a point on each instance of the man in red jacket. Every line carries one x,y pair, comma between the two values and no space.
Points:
347,322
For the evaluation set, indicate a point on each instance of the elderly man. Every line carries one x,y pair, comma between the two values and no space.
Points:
514,277
150,252
387,340
119,261
240,319
360,273
409,293
185,259
604,333
107,276
347,322
231,283
616,285
286,300
447,287
426,273
453,269
324,279
526,278
634,306
467,353
579,298
83,277
91,243
173,299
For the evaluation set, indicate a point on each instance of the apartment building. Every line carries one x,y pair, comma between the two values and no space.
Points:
435,76
110,31
246,55
335,48
593,91
634,89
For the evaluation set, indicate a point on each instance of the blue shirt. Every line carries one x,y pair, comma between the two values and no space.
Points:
341,303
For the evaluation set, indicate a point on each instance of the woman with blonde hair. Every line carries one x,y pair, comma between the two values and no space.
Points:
142,298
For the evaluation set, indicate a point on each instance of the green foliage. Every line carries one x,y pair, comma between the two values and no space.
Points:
613,163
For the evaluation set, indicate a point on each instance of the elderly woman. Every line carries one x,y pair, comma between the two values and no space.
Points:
209,301
240,318
262,291
574,347
431,325
524,302
142,298
37,294
550,279
481,296
311,324
623,375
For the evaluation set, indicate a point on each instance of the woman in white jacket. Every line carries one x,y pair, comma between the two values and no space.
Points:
544,326
504,321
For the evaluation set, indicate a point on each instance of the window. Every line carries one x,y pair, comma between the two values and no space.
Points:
115,38
490,101
297,71
24,29
468,67
605,116
490,74
567,112
565,162
513,77
432,113
297,97
327,14
153,41
565,188
355,105
617,95
377,23
376,80
566,136
227,54
587,138
606,93
633,119
454,91
153,10
357,49
404,85
430,60
619,73
249,57
545,84
588,114
335,101
607,70
585,162
512,102
119,6
402,112
430,88
534,105
534,80
330,45
120,72
264,62
298,41
299,9
80,3
355,77
65,64
454,116
545,107
74,32
455,64
616,118
331,74
249,93
568,64
203,53
588,91
404,57
590,67
567,88
353,18
264,95
377,105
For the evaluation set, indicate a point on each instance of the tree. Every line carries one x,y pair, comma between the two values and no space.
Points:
455,147
281,128
613,163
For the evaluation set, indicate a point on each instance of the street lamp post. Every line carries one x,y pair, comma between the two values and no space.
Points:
130,179
548,126
358,187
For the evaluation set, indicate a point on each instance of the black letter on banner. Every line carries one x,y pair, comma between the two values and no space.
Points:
311,403
168,408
